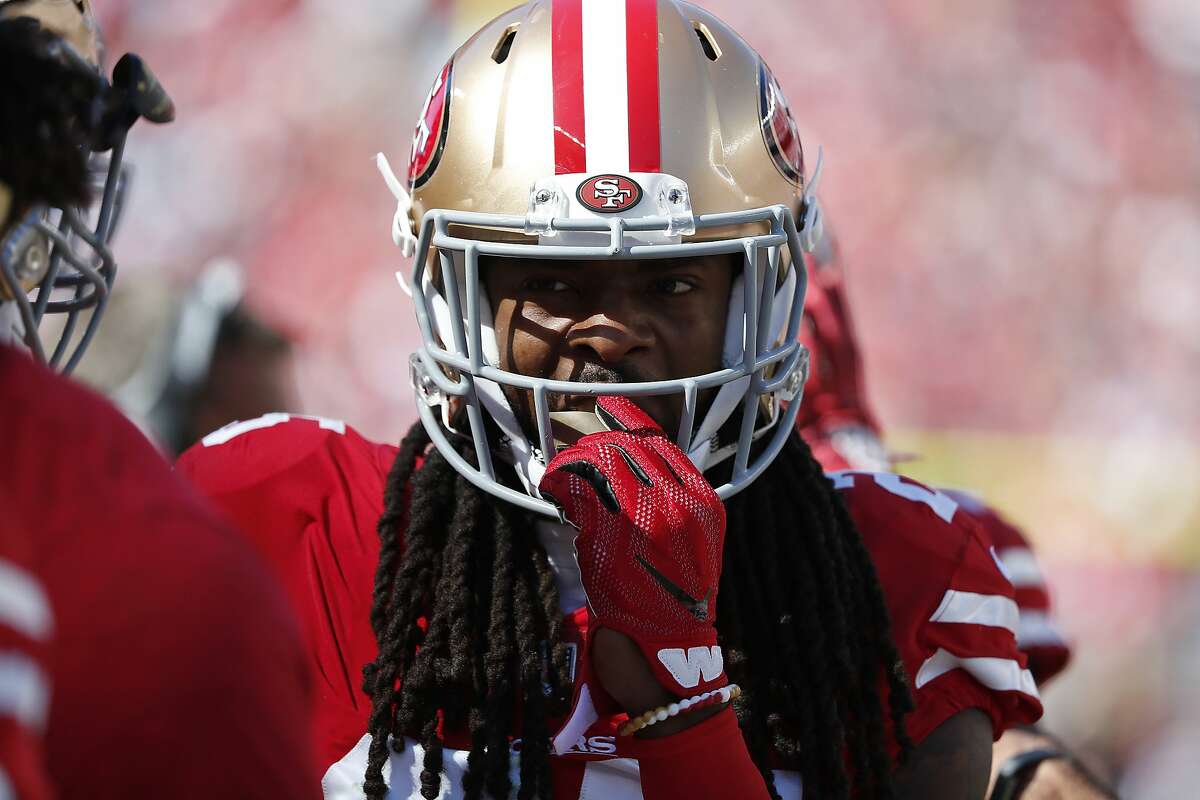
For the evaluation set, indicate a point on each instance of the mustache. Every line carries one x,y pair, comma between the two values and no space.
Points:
596,373
618,373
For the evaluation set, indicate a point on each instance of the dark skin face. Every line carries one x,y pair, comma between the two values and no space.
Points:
608,321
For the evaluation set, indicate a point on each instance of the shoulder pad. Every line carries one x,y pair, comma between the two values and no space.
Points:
890,494
252,451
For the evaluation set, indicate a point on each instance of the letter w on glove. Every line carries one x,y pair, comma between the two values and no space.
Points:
651,533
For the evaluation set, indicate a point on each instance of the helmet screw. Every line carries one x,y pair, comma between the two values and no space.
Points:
543,196
34,263
674,195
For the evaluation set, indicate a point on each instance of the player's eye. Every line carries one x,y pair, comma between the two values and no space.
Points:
673,286
545,285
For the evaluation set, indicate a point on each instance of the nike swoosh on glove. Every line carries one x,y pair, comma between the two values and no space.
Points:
651,533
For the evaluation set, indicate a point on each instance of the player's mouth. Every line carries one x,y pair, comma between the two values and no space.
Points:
573,415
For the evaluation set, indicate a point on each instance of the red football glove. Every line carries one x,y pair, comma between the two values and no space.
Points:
651,532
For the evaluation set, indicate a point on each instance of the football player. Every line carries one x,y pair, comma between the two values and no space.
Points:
603,564
837,421
144,650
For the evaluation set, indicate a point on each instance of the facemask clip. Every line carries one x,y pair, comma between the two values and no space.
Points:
812,222
675,203
546,202
25,254
425,386
798,377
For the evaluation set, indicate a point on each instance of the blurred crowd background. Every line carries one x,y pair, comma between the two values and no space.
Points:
1016,184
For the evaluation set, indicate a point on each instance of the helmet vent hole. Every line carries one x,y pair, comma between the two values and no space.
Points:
709,45
500,54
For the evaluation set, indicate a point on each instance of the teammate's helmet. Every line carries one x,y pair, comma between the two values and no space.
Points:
58,116
593,129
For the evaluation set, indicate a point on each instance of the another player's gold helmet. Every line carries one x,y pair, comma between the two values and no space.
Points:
62,137
607,129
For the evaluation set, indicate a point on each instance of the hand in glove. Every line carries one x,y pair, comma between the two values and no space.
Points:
651,532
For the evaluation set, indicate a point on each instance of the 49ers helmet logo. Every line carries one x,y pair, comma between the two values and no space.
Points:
429,139
608,194
778,127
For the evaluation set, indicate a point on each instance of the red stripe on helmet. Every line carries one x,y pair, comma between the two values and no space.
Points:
641,60
570,153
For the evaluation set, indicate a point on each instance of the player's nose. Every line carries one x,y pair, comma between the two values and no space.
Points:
611,337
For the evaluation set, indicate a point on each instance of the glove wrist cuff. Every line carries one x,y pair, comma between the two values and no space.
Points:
685,667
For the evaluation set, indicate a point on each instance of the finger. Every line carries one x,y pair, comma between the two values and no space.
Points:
678,464
549,497
666,462
622,414
590,475
638,471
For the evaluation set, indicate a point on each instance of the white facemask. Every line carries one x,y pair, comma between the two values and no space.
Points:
12,329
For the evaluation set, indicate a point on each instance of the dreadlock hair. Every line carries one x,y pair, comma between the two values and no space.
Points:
797,582
809,659
466,616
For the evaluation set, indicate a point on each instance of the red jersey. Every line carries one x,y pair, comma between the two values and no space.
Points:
144,649
1038,634
26,623
309,491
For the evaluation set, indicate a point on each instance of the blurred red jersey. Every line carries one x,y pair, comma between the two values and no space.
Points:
26,622
837,422
308,492
144,649
835,395
1038,634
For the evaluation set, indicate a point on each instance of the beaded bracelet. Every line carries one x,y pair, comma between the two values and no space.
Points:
717,696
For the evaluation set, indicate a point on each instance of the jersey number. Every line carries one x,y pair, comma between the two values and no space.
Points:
939,503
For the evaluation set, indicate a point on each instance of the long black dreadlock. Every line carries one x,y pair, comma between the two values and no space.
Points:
797,582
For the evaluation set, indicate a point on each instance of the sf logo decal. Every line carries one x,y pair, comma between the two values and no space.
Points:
608,194
429,139
610,191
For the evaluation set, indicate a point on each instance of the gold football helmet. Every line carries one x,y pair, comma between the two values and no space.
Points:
594,129
65,123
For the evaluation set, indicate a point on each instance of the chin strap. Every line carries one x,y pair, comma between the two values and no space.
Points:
812,224
402,234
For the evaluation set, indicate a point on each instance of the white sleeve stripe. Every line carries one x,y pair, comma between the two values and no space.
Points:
236,429
1022,567
993,610
998,674
24,692
1036,629
24,606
